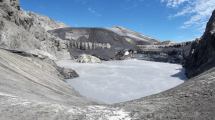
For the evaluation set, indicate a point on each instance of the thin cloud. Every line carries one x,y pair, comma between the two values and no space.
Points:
173,3
199,11
94,12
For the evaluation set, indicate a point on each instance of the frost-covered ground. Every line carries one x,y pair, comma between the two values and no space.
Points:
118,81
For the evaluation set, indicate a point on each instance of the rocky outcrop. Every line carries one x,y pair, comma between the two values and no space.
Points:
46,22
22,31
68,73
164,52
202,54
88,59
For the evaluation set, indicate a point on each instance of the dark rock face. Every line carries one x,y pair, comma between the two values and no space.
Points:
172,53
68,73
99,42
202,54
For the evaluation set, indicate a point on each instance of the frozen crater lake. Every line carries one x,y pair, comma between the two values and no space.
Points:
119,81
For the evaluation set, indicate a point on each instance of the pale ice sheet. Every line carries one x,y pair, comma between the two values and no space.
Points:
119,81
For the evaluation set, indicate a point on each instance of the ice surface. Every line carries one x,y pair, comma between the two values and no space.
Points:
118,81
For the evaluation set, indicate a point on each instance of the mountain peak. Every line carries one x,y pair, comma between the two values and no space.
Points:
133,34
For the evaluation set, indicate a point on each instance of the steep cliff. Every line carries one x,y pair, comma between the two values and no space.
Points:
202,54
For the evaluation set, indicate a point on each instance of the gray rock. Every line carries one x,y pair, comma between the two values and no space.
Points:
46,22
22,31
202,53
13,3
68,73
88,59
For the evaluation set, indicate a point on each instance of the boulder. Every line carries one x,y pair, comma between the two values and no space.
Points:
88,59
68,73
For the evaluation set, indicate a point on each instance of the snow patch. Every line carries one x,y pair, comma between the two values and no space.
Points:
41,54
119,81
5,94
106,113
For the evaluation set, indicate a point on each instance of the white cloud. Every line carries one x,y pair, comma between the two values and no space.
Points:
94,12
199,11
174,3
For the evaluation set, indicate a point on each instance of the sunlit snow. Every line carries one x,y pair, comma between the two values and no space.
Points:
118,81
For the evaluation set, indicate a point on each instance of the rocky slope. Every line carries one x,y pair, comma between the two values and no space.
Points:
20,30
202,54
30,88
133,37
46,22
21,76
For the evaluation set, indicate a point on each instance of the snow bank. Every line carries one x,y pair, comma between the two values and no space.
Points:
118,81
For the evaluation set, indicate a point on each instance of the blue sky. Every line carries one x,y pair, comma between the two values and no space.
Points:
177,20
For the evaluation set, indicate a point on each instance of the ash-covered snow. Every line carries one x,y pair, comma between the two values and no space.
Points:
118,81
